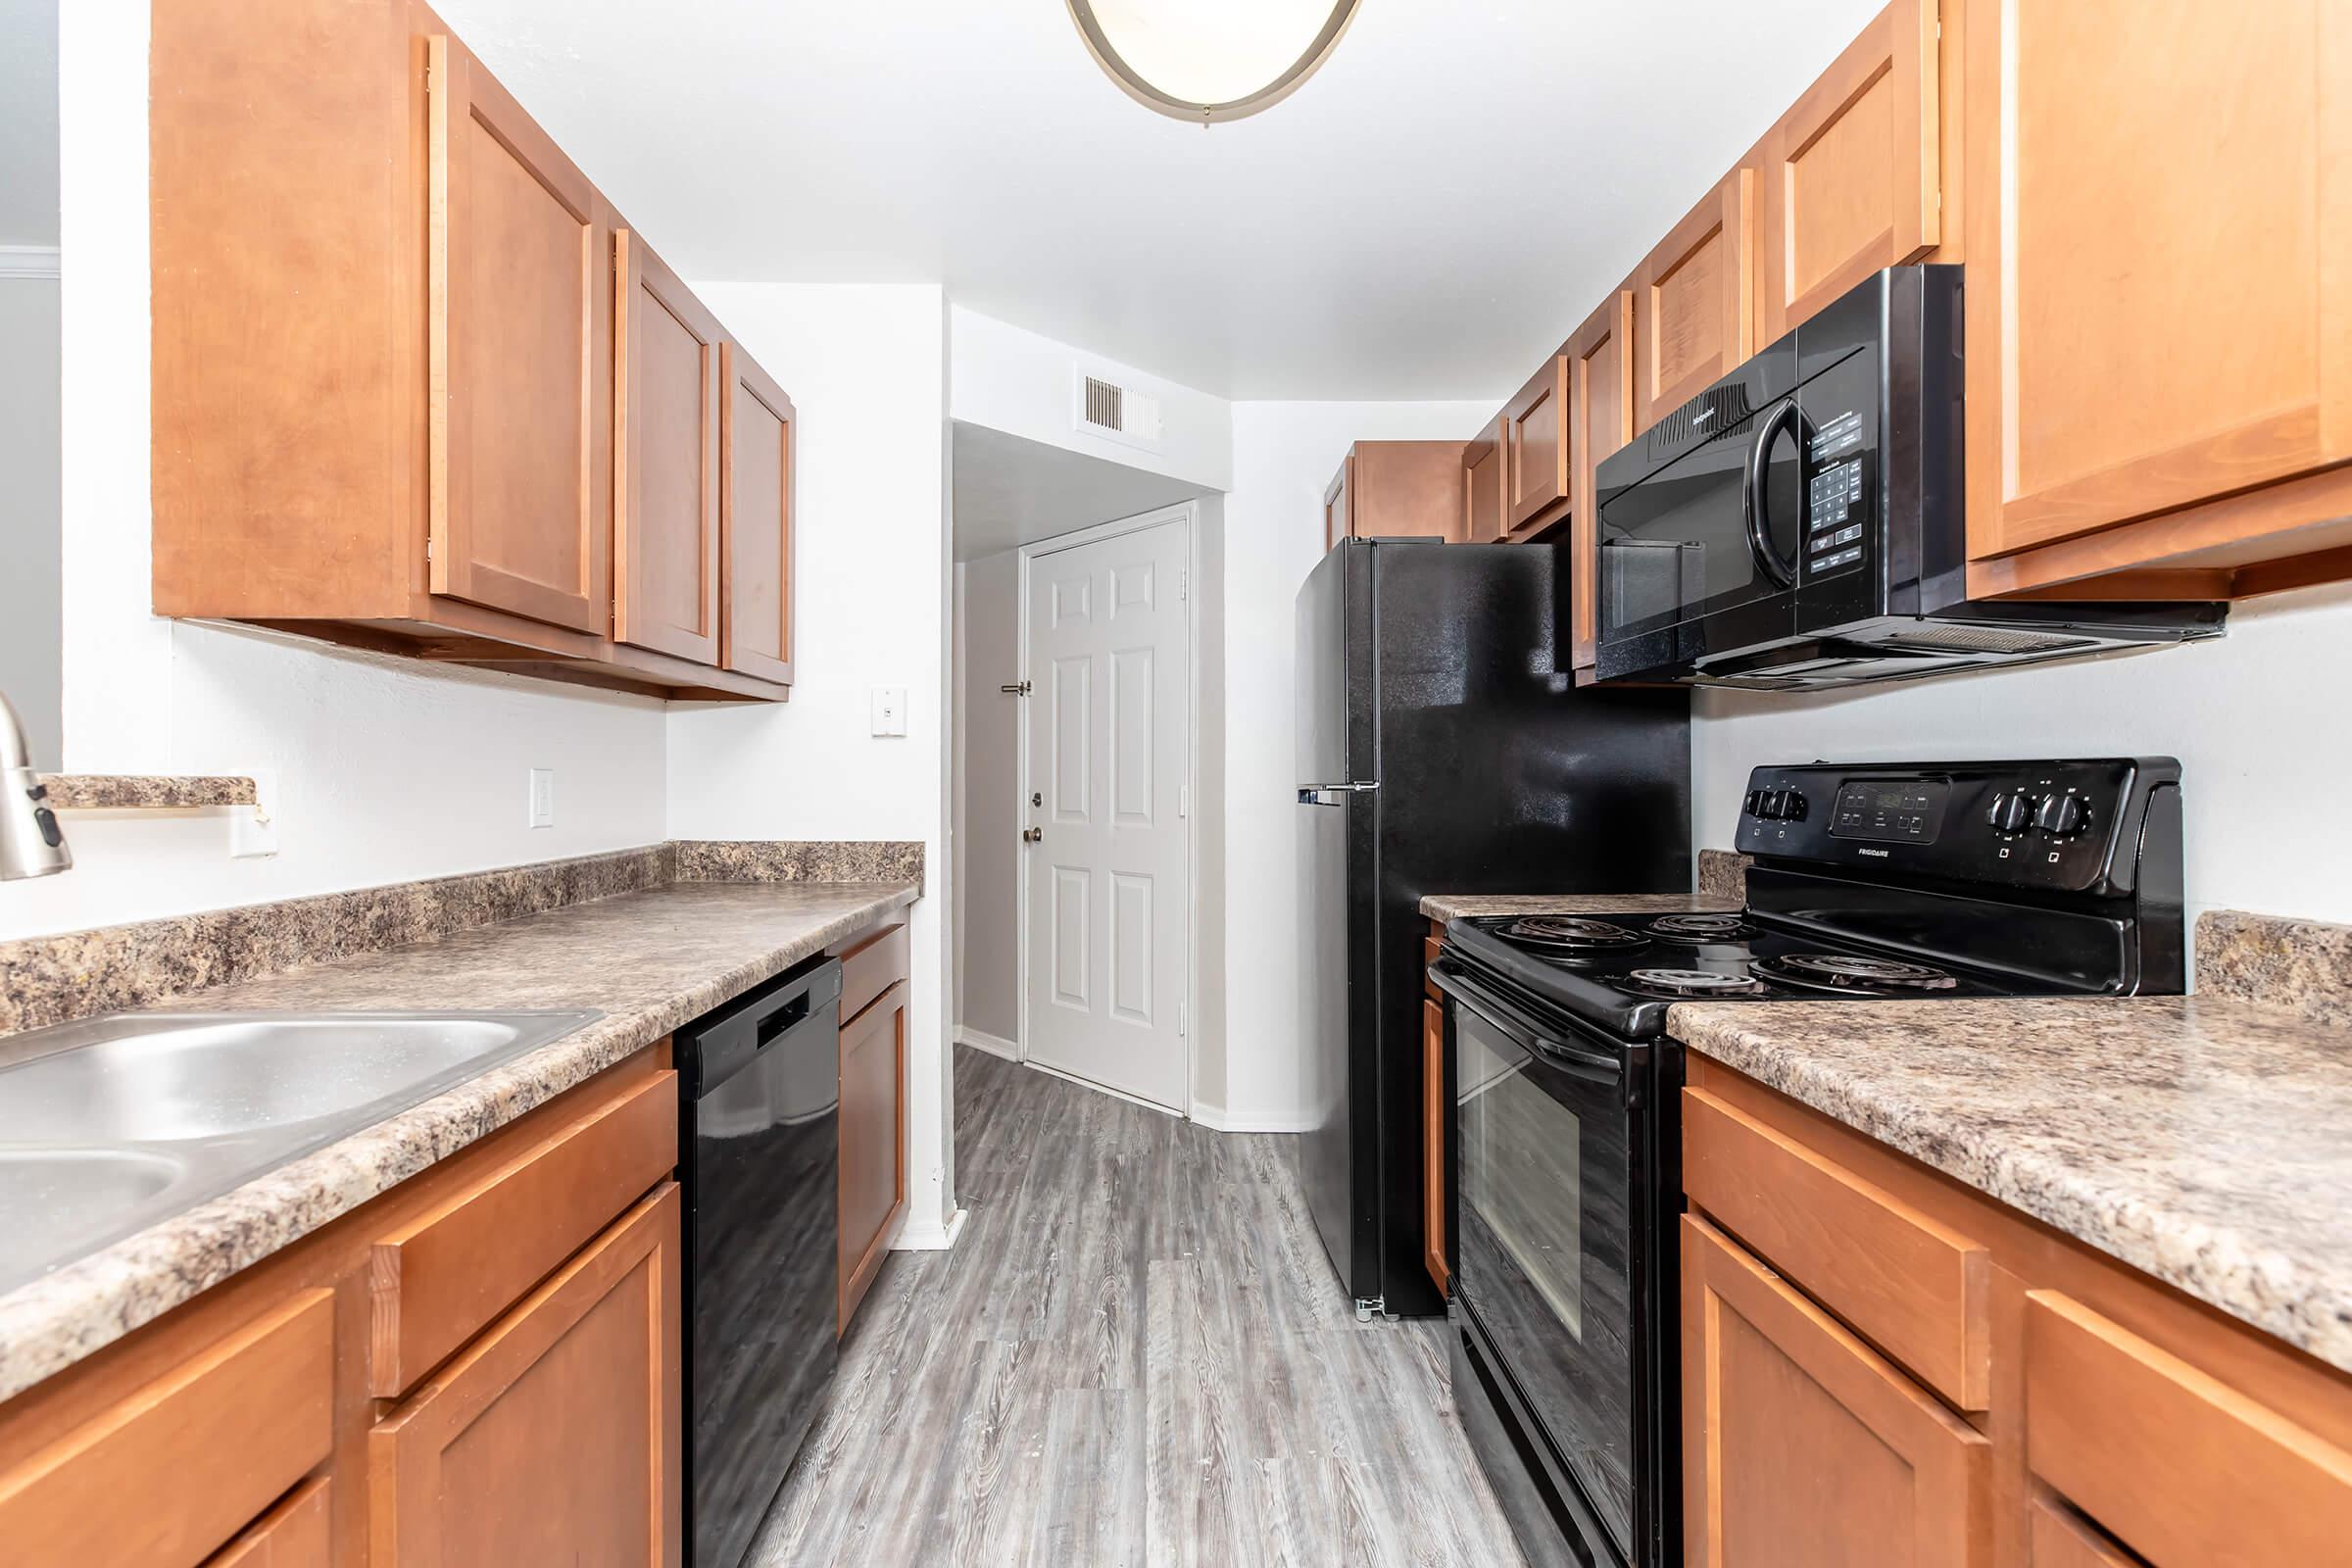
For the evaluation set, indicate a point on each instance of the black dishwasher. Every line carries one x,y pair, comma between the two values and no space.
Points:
758,1146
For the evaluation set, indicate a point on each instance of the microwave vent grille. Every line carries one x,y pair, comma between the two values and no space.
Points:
1716,409
1984,640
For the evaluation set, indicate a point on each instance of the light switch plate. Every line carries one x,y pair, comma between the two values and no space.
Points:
890,711
543,797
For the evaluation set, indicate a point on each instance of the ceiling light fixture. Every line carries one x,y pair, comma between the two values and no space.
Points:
1211,60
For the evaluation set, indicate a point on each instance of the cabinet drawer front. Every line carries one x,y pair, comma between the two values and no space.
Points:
2177,1465
175,1470
1801,1445
871,968
1912,1286
873,1151
292,1534
436,1281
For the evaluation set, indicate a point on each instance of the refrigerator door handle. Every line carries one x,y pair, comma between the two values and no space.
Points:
1312,793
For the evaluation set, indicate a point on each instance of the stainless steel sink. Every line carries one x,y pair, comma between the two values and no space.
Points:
110,1124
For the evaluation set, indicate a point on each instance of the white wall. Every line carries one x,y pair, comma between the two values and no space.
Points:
1283,454
988,860
2257,720
1018,381
33,584
866,368
385,770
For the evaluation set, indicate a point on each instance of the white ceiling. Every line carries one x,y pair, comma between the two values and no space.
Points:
27,121
1009,490
1443,201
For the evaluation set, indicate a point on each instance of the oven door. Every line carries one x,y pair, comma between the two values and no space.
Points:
1702,521
1547,1219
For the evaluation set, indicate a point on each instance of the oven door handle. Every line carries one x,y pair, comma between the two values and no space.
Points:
1782,414
1577,1062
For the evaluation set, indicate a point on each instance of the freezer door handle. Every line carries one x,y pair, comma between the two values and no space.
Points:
1314,796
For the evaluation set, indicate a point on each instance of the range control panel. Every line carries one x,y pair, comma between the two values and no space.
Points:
2068,826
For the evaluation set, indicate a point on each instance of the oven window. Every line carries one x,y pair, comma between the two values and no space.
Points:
1544,1255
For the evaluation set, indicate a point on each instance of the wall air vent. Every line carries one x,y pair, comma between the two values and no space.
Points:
1116,412
1104,405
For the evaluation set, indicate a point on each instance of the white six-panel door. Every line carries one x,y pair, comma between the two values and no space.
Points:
1109,875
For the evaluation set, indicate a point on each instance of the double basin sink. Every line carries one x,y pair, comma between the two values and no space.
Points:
111,1124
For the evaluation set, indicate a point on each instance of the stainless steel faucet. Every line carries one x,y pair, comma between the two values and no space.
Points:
31,844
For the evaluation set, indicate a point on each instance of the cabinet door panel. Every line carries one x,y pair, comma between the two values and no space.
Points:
756,519
519,356
1339,518
1600,358
1801,1445
1536,440
1434,1152
1694,300
2157,314
293,1534
873,1149
665,480
1484,521
1851,173
553,1437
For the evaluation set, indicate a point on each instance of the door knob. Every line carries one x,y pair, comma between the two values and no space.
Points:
1033,835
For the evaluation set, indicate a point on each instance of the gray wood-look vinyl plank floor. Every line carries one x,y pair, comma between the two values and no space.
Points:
1135,1356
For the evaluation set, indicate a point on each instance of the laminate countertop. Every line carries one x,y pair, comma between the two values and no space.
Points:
648,962
2201,1140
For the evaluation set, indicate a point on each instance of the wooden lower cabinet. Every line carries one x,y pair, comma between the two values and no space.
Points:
873,1140
1436,1148
1801,1445
554,1437
536,1342
1833,1293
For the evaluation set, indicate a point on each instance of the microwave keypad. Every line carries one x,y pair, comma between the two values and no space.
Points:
1832,541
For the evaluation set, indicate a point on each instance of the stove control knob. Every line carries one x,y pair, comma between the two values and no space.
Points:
2062,816
2011,811
1793,805
1753,806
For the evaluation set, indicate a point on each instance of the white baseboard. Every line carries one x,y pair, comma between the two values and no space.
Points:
982,1040
1216,1118
930,1238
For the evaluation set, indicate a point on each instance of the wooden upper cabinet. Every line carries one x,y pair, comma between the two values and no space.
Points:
1801,1445
520,357
665,474
1536,424
755,518
1851,174
1601,385
1484,521
1694,300
1338,516
2160,275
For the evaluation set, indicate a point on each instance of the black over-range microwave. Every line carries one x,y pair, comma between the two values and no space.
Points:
1801,523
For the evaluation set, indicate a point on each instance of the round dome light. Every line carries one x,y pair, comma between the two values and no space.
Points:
1211,60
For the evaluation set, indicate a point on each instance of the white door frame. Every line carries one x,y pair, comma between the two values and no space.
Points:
1186,512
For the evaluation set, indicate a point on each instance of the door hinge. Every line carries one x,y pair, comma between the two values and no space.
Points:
1184,800
1184,584
1181,1020
1022,690
428,547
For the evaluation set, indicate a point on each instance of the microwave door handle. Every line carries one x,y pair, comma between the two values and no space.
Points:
1782,414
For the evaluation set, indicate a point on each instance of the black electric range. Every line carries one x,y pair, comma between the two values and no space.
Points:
1869,882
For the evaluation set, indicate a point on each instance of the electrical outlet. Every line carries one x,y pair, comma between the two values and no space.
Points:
543,797
890,711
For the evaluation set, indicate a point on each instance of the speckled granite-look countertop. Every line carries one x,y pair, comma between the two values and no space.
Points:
2200,1140
649,960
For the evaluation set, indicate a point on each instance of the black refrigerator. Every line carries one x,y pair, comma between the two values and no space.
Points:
1443,748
